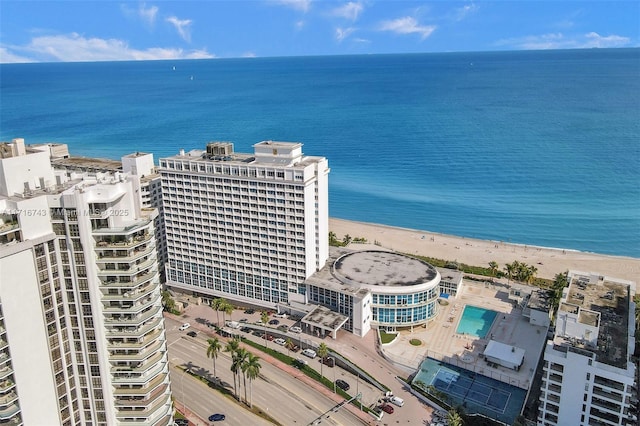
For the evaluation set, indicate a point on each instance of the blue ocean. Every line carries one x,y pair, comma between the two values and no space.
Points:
533,147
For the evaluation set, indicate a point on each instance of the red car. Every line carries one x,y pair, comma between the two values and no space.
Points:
387,408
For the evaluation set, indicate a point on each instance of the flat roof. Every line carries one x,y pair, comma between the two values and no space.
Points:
382,268
88,164
325,318
604,302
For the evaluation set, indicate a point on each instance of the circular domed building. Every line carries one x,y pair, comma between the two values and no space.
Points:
376,288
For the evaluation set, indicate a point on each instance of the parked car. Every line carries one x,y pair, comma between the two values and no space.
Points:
295,330
296,348
184,326
309,352
283,327
267,337
192,333
245,329
329,361
397,401
279,341
283,315
216,417
249,311
243,320
387,408
342,385
181,422
299,363
274,322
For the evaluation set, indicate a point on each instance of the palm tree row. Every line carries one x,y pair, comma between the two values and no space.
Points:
221,304
518,271
242,362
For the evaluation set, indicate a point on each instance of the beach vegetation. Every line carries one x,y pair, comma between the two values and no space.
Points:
335,242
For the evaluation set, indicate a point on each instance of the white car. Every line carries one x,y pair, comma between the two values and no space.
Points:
295,330
184,326
279,341
309,352
281,315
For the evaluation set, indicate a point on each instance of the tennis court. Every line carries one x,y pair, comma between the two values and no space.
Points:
474,392
470,389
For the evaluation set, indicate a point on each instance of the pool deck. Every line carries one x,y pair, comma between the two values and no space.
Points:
440,340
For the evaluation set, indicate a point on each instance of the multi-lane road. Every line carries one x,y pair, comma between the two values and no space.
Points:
284,397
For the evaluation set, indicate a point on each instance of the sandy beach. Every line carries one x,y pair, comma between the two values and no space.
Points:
549,261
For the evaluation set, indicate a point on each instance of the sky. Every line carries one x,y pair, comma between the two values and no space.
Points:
109,30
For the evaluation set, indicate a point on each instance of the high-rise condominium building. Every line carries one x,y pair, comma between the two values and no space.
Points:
82,337
588,375
247,227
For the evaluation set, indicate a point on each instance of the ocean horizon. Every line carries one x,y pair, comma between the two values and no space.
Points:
537,148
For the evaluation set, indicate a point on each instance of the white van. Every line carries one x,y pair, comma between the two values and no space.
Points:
397,401
309,352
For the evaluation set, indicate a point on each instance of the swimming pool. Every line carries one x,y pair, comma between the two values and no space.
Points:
476,321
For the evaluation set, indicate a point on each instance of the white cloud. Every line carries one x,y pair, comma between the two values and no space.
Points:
148,14
560,41
76,48
182,26
342,33
349,10
301,5
464,11
594,39
8,57
407,25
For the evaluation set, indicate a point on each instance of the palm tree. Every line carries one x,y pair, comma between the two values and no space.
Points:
323,351
251,369
532,274
212,352
264,317
232,347
289,345
510,270
226,308
454,418
215,305
493,267
237,361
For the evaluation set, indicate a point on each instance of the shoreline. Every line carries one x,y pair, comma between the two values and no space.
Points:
475,252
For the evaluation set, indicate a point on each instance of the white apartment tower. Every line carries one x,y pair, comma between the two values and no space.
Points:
82,337
247,227
588,376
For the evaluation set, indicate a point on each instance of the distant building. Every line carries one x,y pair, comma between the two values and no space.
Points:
82,337
589,377
247,227
450,281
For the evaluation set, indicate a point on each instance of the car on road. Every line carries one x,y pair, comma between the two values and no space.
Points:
184,326
280,341
342,385
216,417
192,333
387,408
309,352
295,330
274,322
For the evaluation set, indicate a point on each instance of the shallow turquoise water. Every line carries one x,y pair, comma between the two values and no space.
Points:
476,321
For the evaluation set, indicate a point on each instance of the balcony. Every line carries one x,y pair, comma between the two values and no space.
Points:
140,401
130,308
131,295
7,399
131,378
133,332
6,414
5,372
143,412
147,390
119,243
106,254
138,344
140,367
136,355
138,319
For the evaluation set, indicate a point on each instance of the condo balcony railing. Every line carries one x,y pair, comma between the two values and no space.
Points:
124,255
143,414
134,281
159,393
116,243
9,414
5,372
6,385
136,355
7,399
134,332
140,367
132,295
137,344
134,320
124,378
130,308
141,390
